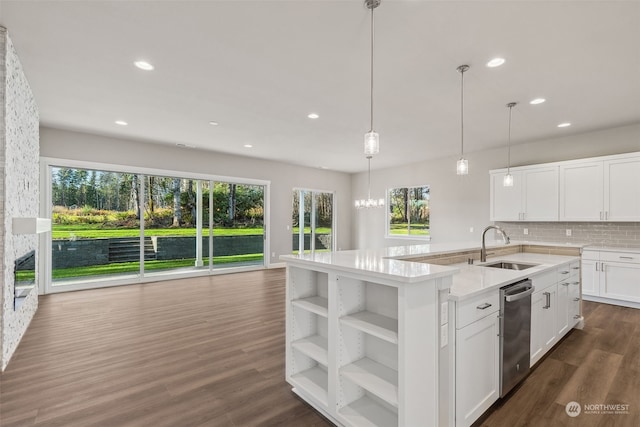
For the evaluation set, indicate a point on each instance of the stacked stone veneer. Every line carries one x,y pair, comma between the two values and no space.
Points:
615,234
19,192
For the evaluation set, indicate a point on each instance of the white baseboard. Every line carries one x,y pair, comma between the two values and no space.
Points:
603,300
277,265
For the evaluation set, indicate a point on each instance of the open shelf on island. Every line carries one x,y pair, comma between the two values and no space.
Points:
314,304
314,346
313,382
367,413
374,377
385,328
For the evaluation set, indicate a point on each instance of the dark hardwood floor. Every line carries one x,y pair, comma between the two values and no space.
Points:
210,352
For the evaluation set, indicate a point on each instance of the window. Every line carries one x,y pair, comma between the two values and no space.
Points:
110,226
409,212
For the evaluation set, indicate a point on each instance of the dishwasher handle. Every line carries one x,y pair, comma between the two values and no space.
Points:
519,296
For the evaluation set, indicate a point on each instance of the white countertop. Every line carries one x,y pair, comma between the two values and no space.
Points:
394,263
611,248
474,279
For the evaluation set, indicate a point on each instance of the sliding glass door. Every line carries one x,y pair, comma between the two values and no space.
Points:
114,226
313,221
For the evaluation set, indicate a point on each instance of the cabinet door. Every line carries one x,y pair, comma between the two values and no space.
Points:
562,308
574,303
590,277
506,202
620,281
548,322
537,302
622,189
581,192
477,371
540,194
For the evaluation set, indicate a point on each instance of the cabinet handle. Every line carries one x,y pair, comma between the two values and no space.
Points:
564,272
575,268
547,295
483,306
575,283
523,215
577,316
626,257
603,267
597,266
565,284
576,299
606,215
600,215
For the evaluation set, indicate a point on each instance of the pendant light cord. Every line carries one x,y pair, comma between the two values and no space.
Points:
371,70
511,105
462,113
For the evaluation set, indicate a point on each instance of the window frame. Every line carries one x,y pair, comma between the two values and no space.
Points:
388,233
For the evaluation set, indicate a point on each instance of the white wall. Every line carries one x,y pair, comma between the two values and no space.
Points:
460,203
19,194
283,177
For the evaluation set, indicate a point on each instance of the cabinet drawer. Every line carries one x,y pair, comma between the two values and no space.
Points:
476,308
592,255
620,257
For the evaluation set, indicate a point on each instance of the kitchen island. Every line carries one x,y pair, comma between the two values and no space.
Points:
384,337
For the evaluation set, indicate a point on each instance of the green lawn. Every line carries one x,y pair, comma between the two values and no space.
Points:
92,231
134,267
416,229
89,231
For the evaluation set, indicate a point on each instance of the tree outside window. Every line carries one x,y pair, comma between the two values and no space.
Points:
409,211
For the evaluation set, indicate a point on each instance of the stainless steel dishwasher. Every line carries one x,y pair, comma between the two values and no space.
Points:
515,333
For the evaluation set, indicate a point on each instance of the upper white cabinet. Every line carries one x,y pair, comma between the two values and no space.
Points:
581,190
596,189
601,190
533,197
622,189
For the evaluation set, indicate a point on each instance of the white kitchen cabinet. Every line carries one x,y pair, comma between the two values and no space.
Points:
544,332
533,197
611,276
477,368
600,190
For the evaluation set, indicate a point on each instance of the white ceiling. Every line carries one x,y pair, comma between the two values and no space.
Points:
259,67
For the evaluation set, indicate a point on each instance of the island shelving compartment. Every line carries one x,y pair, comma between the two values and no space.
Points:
307,342
364,349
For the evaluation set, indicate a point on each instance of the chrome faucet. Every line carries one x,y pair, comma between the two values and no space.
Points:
483,251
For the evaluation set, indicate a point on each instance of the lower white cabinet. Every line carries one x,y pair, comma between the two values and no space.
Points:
477,363
544,332
611,276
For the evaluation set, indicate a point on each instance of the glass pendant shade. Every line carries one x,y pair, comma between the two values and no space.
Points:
463,167
371,143
508,180
369,203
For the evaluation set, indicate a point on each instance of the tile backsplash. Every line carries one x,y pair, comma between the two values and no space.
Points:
617,234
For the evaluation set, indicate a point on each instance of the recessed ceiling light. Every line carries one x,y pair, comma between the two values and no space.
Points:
537,101
564,125
495,62
144,65
212,123
248,146
121,122
324,167
313,116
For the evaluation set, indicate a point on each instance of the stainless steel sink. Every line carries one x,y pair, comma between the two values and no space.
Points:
506,265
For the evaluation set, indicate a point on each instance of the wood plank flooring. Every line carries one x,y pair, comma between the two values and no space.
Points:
210,352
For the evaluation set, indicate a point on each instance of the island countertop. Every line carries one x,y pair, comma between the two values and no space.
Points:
395,263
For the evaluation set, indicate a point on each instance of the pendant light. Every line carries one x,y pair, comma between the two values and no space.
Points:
463,164
369,202
371,138
508,178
